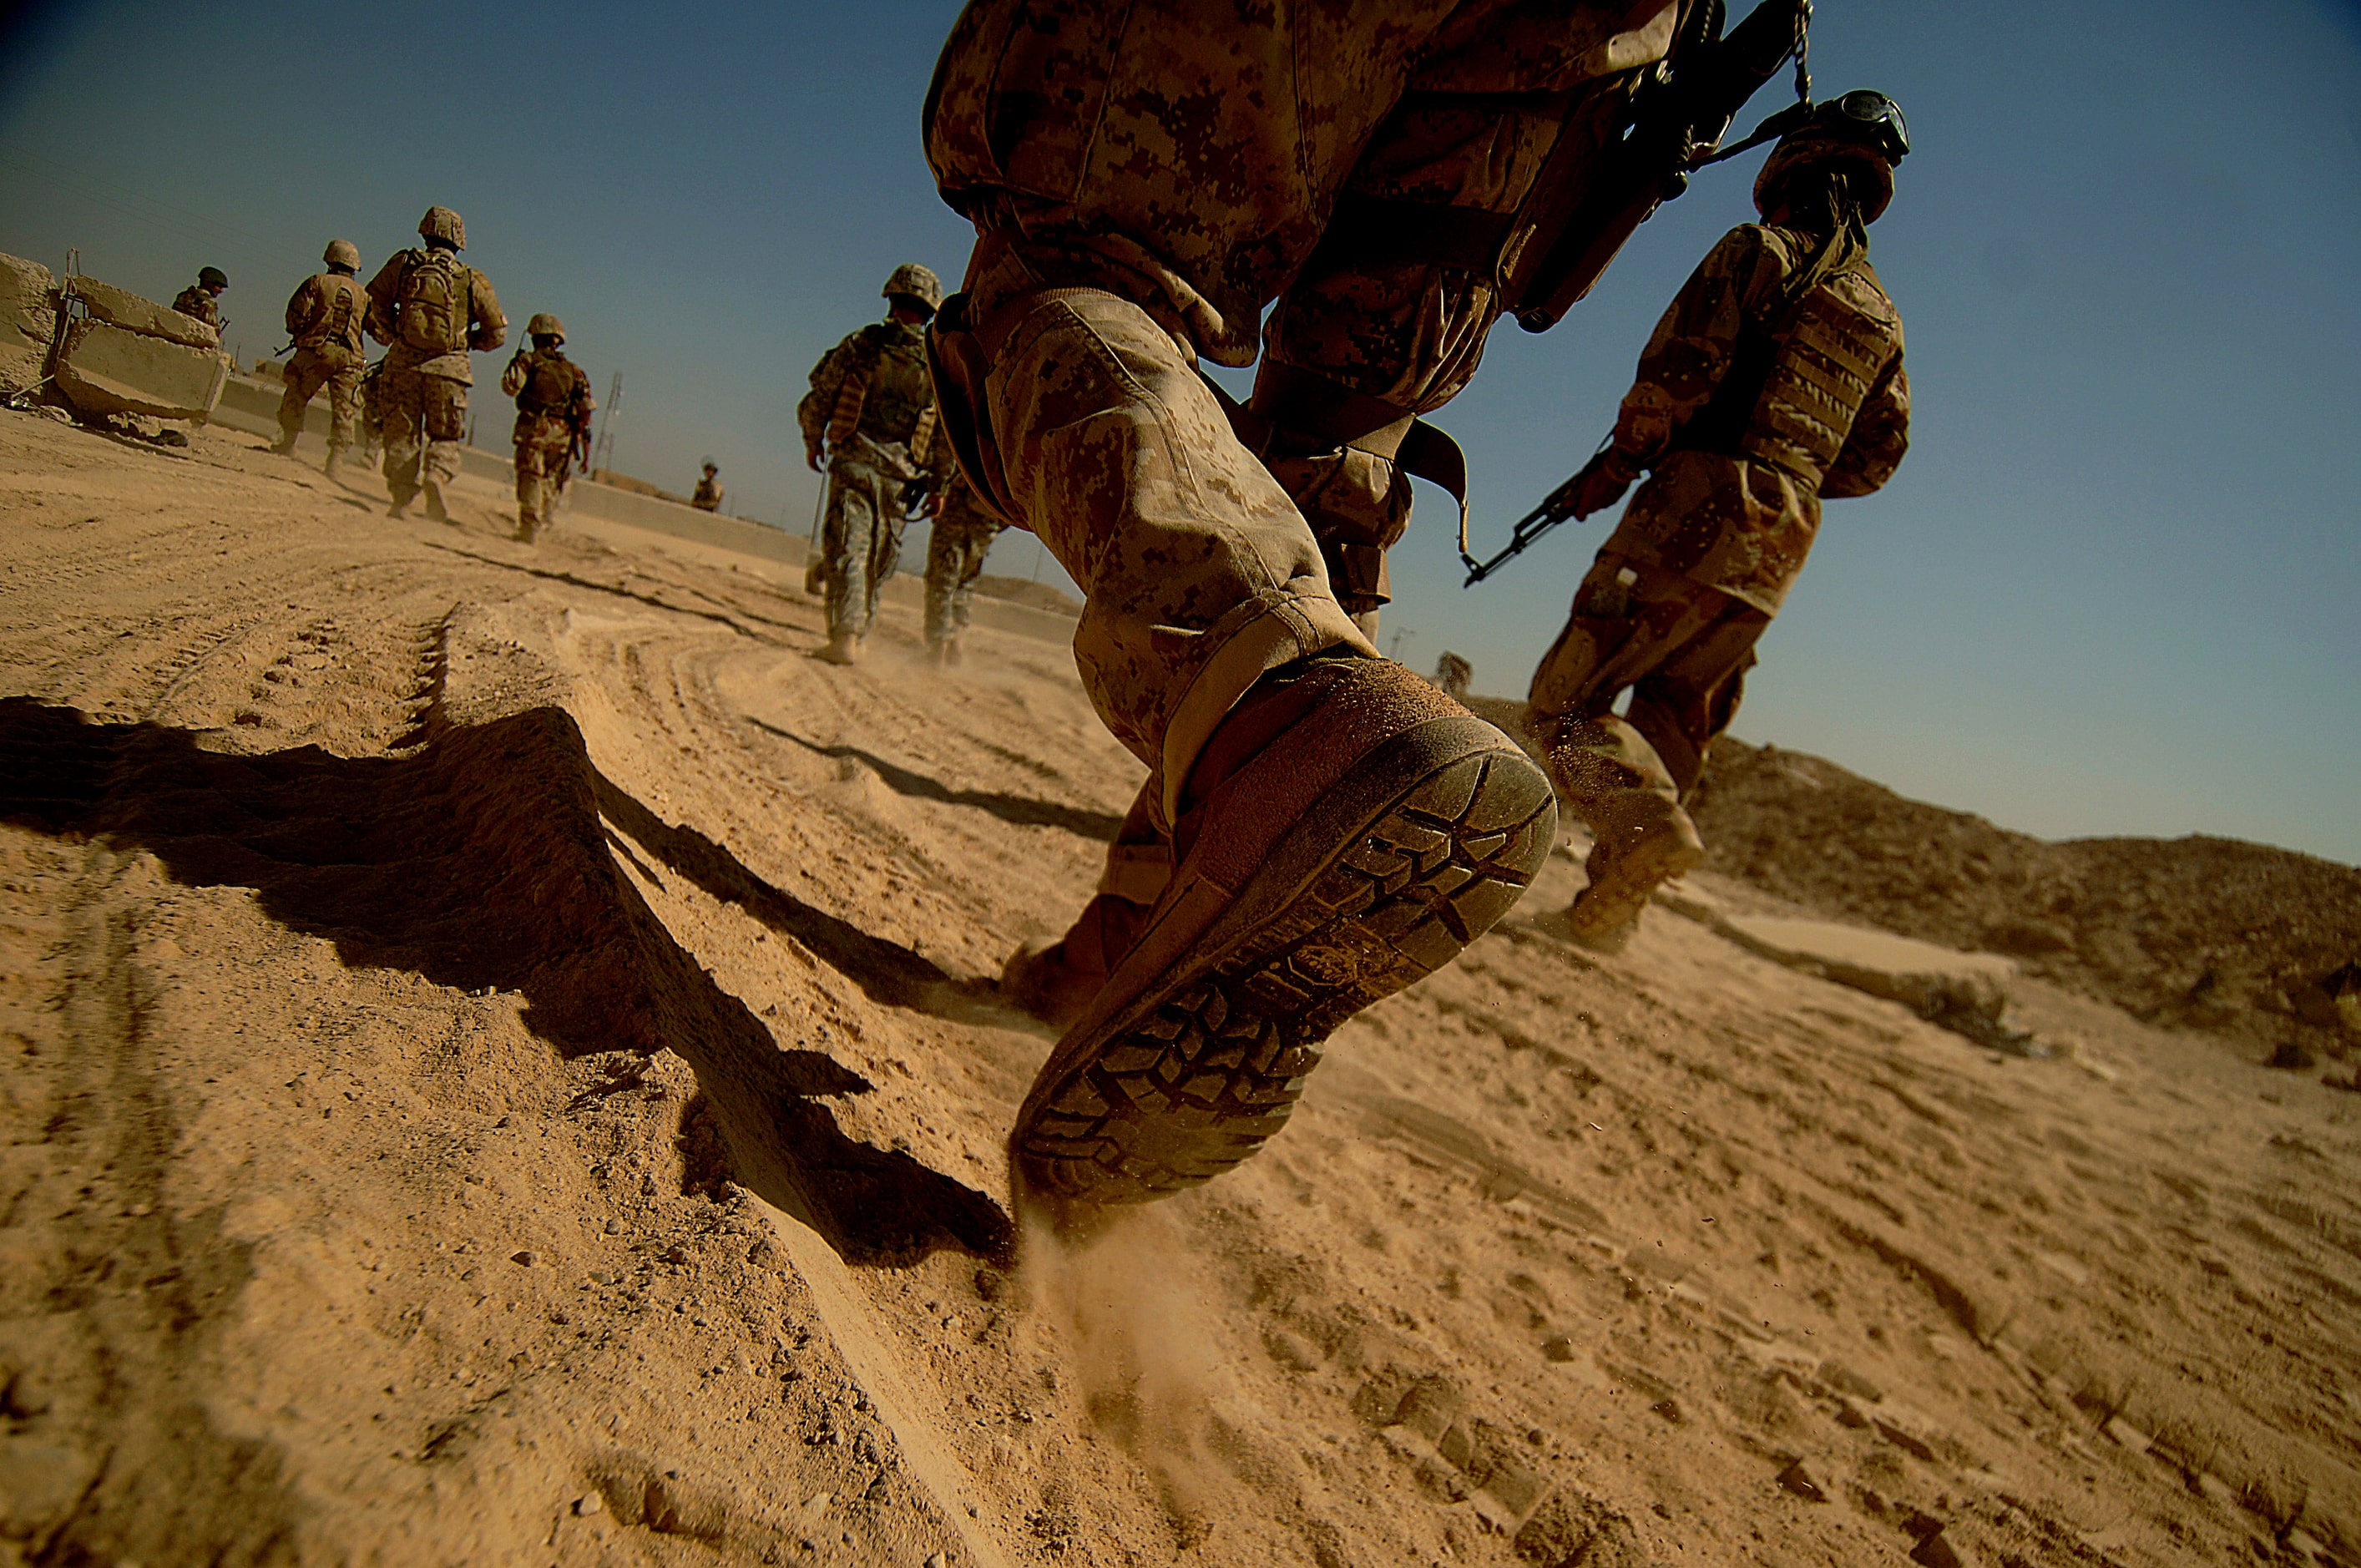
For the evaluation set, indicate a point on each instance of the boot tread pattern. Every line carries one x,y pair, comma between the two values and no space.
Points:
1204,1081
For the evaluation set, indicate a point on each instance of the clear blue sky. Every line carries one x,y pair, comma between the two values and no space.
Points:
2116,587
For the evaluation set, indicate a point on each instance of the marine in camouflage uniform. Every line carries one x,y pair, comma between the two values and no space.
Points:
325,317
708,495
962,535
870,419
1145,179
432,309
1772,381
553,409
201,299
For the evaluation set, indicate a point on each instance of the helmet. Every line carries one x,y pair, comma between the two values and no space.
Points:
342,253
1862,130
546,325
711,467
212,278
914,281
442,223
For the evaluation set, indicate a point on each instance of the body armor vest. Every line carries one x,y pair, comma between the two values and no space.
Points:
887,395
436,300
1796,385
343,304
549,386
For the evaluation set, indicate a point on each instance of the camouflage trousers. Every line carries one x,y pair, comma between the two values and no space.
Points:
1094,429
425,419
1680,649
955,553
860,542
339,370
543,449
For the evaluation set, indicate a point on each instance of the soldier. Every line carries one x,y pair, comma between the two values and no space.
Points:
552,422
1319,827
708,495
1774,379
325,317
963,532
431,308
870,419
201,299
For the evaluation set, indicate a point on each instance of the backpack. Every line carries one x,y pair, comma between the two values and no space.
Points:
436,297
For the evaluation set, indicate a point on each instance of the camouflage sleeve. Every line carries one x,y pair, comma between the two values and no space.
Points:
490,328
383,290
303,307
513,375
819,403
585,405
1881,434
1693,343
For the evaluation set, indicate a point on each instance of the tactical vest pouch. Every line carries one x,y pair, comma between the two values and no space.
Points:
851,396
922,436
435,299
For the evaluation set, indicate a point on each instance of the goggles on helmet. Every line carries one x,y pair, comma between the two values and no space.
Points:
1874,117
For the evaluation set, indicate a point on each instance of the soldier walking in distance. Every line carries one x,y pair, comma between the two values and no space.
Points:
201,299
1321,826
325,317
962,535
708,495
431,308
552,422
1774,379
869,420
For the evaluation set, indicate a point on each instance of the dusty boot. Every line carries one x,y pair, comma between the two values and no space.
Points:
436,512
401,507
1057,982
284,445
1347,830
1625,866
842,649
336,456
528,525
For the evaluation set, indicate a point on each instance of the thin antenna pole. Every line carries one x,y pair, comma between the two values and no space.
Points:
602,455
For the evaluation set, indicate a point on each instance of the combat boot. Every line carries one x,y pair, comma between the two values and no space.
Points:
528,526
842,649
1626,866
336,456
284,445
1056,984
1347,830
435,510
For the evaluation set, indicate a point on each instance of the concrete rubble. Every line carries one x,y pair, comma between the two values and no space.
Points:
122,354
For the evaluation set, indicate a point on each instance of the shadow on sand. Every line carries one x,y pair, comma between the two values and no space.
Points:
479,859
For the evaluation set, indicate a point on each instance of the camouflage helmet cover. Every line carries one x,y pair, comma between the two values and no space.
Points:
342,253
546,325
212,278
1861,129
914,281
443,224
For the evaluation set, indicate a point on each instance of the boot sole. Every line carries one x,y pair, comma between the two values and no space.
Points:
1354,904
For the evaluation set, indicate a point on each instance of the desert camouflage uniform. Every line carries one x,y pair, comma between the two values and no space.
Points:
194,301
962,535
325,317
1743,409
708,495
423,393
892,444
1159,188
1145,179
554,408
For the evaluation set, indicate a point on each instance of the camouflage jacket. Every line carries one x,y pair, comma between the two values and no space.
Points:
707,497
487,328
326,312
552,395
1750,406
872,393
194,300
1191,153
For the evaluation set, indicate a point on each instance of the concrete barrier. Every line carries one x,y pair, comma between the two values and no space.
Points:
105,369
121,307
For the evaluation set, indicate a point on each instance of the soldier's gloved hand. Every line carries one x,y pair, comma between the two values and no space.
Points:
1601,483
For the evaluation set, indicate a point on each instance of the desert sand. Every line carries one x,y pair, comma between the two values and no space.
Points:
502,1066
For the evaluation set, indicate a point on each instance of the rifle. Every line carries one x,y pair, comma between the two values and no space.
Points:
1585,205
1556,507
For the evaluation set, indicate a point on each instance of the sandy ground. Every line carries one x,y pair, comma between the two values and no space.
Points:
502,1066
